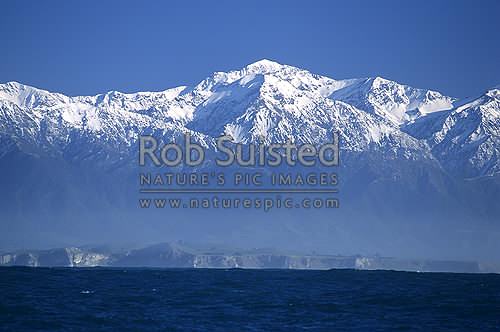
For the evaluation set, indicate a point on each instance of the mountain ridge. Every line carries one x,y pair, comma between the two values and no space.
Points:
264,99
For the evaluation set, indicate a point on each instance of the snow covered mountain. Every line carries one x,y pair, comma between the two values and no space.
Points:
391,100
466,139
264,99
413,162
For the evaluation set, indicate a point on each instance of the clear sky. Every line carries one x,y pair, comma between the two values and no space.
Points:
89,47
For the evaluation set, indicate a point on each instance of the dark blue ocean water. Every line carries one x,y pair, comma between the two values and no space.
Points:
65,299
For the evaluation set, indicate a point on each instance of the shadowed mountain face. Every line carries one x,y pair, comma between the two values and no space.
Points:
419,177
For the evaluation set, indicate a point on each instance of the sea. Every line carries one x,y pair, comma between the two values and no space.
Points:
124,299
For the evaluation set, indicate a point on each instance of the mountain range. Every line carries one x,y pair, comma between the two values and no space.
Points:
414,162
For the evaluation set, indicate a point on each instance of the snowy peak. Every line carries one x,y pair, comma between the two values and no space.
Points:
466,139
472,134
263,66
27,96
393,101
286,104
299,78
493,93
487,106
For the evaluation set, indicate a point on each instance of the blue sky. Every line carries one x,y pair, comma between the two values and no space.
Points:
94,46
